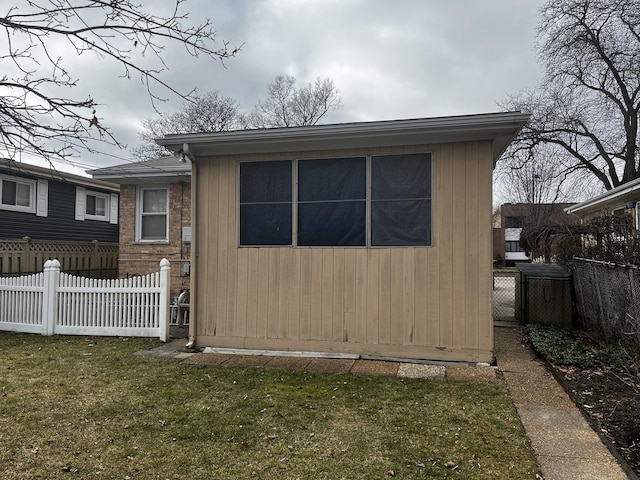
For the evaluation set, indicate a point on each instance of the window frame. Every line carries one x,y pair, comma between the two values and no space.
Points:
371,200
368,201
513,246
107,206
32,194
514,221
291,202
299,202
139,214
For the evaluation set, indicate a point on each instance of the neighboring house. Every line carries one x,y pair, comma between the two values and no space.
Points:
621,200
365,238
155,206
46,214
510,218
46,204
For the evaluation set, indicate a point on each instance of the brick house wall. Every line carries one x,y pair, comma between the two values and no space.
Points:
141,258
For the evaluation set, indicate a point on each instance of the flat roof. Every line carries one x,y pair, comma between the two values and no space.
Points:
500,128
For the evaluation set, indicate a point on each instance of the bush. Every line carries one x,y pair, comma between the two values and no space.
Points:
562,346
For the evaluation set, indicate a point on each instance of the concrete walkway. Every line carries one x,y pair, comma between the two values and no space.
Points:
564,444
341,364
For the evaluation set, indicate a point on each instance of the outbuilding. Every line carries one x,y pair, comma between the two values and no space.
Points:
370,238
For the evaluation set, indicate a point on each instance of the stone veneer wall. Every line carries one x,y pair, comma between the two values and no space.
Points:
142,258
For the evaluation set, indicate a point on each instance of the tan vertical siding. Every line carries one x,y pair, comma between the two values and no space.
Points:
444,242
338,285
461,203
242,296
472,260
485,265
294,299
423,302
408,315
360,329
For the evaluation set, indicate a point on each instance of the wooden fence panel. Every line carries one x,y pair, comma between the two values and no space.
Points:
89,259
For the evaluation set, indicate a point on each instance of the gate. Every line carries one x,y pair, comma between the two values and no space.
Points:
504,296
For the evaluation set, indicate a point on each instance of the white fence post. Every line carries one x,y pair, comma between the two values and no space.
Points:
165,275
50,296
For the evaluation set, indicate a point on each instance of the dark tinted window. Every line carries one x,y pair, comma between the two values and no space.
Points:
265,203
332,202
401,200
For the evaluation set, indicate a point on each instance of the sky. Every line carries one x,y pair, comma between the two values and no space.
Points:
389,60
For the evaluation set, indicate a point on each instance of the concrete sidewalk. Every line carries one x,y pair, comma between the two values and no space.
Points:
564,444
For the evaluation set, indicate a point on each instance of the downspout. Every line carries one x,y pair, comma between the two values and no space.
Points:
193,311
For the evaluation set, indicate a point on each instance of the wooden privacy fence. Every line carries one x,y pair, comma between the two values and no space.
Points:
52,302
90,259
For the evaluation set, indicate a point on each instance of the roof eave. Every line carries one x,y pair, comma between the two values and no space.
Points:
611,195
132,178
52,174
500,128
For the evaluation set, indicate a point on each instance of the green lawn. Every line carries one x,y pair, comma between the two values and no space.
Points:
79,407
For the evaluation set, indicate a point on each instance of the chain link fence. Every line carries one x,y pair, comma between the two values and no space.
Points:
607,299
504,288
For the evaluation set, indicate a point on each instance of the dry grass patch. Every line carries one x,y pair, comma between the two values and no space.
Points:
88,408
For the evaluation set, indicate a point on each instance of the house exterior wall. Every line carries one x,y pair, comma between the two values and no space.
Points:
411,302
60,223
503,223
612,207
141,258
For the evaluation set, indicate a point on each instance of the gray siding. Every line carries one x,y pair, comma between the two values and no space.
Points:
60,223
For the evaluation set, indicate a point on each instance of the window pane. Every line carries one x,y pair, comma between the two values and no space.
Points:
265,224
324,218
401,176
154,201
8,192
23,195
264,182
401,200
401,223
101,206
514,222
154,227
332,179
265,203
90,205
332,224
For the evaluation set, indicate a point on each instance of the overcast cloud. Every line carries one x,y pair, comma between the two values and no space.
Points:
389,59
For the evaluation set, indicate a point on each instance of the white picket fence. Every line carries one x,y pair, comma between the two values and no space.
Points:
53,302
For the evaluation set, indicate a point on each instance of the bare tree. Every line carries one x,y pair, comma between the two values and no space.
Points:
211,112
39,114
535,180
287,106
589,100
